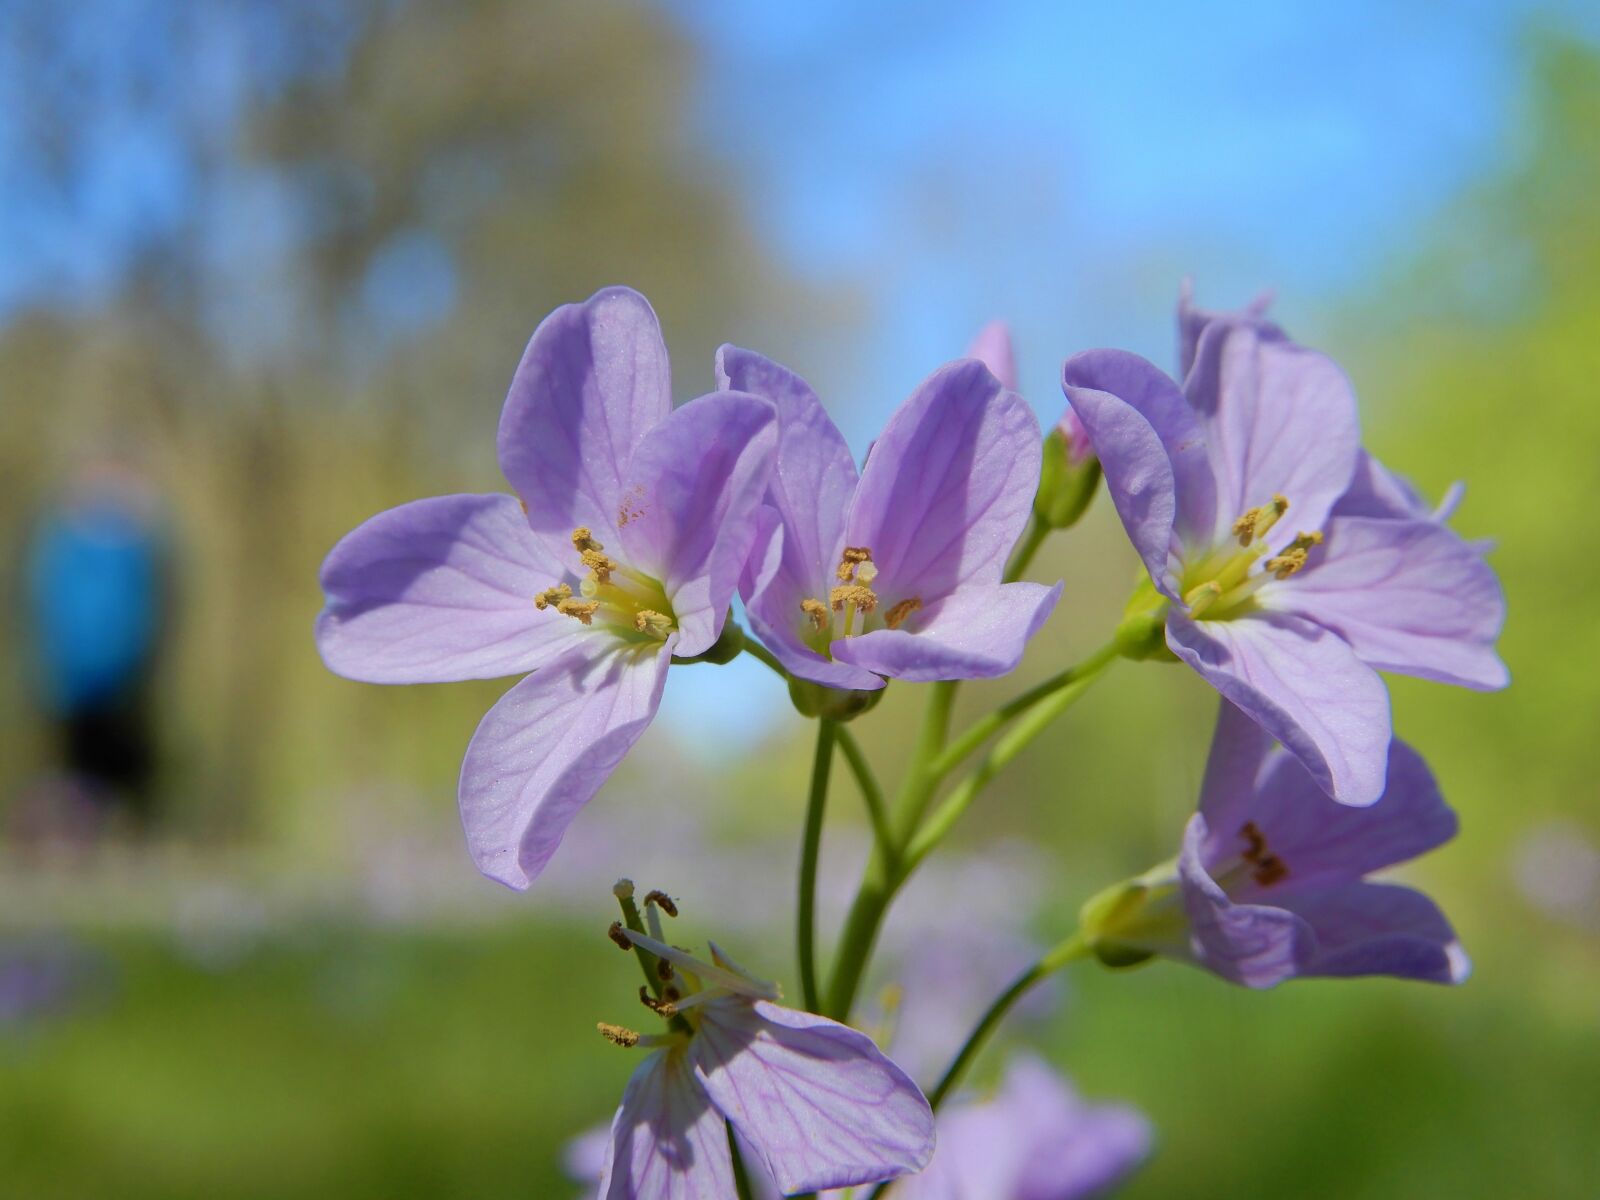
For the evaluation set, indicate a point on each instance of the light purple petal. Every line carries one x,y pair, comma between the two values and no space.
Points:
1380,929
1408,596
1305,686
1376,491
975,633
992,347
1278,418
694,489
817,1100
667,1141
1322,843
440,590
1255,945
948,486
547,747
1034,1140
1240,749
1152,451
813,480
1192,322
592,382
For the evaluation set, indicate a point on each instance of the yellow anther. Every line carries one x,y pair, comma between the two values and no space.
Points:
583,610
897,615
551,596
647,620
598,563
582,539
816,612
852,556
662,1007
618,1035
1294,555
864,598
1256,521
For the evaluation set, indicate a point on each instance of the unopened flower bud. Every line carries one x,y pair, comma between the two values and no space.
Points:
1068,476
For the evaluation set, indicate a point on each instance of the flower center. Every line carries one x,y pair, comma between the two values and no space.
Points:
1221,584
1263,866
852,597
627,603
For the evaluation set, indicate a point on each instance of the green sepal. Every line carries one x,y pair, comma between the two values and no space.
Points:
1065,487
836,704
728,646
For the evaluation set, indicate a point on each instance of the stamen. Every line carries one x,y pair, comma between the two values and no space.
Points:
1256,521
648,620
1202,597
582,539
663,970
848,561
662,1007
897,615
662,901
816,612
551,596
1269,868
599,564
864,598
616,934
1294,555
732,980
583,610
618,1035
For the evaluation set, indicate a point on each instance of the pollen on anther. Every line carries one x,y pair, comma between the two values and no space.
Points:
662,901
583,539
618,1035
864,598
897,615
647,620
551,596
816,612
1256,521
1294,556
616,935
599,564
662,1007
848,561
583,610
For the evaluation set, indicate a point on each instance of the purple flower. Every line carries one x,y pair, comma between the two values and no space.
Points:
634,523
895,573
1271,881
815,1103
1229,488
1035,1139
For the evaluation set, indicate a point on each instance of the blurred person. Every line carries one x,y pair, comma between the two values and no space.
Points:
95,599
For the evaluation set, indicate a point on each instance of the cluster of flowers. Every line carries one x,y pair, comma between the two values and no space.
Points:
1286,566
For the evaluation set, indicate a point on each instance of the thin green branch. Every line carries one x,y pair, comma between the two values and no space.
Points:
871,790
810,851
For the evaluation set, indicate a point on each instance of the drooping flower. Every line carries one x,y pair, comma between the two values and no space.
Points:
633,524
1272,882
1034,1139
814,1103
895,572
1228,488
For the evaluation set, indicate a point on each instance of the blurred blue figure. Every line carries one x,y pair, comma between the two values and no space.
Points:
96,593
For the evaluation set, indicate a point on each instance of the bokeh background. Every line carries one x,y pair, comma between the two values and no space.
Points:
266,267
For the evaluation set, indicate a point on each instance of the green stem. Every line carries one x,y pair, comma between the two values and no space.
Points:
871,790
1011,744
883,874
811,847
980,731
741,1178
1032,538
